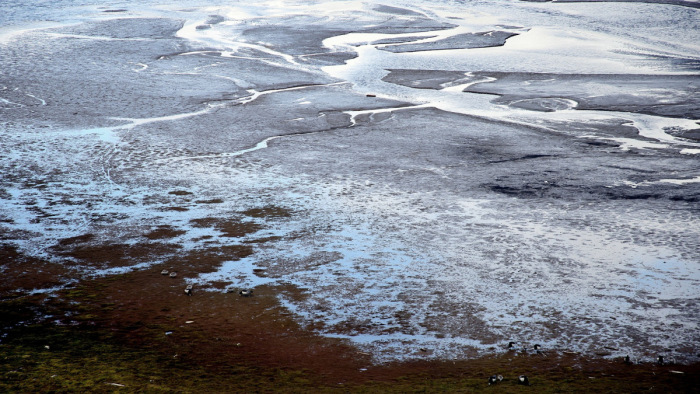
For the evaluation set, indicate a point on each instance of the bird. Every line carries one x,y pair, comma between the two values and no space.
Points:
538,348
245,293
173,274
164,272
511,345
188,290
660,360
627,360
522,379
493,380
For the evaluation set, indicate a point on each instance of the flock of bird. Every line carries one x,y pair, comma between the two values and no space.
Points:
537,348
522,380
189,288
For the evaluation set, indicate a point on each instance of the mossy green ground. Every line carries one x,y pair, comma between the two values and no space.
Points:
85,357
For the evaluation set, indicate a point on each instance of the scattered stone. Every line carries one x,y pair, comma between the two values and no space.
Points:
164,272
189,322
188,290
173,274
627,360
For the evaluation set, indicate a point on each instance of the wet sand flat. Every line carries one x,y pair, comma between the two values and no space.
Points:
405,188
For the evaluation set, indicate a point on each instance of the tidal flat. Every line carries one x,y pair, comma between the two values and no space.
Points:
406,188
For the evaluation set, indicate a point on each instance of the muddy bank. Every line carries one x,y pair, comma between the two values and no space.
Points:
140,331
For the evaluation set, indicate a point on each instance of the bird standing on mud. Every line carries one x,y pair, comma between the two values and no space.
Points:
245,293
495,379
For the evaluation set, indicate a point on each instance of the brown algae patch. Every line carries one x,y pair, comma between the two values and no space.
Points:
231,228
76,240
237,229
210,201
114,255
204,260
164,232
268,212
21,273
176,209
180,193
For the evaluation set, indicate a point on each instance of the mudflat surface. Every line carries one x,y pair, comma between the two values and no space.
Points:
405,188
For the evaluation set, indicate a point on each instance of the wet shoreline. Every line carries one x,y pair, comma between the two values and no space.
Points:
375,203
